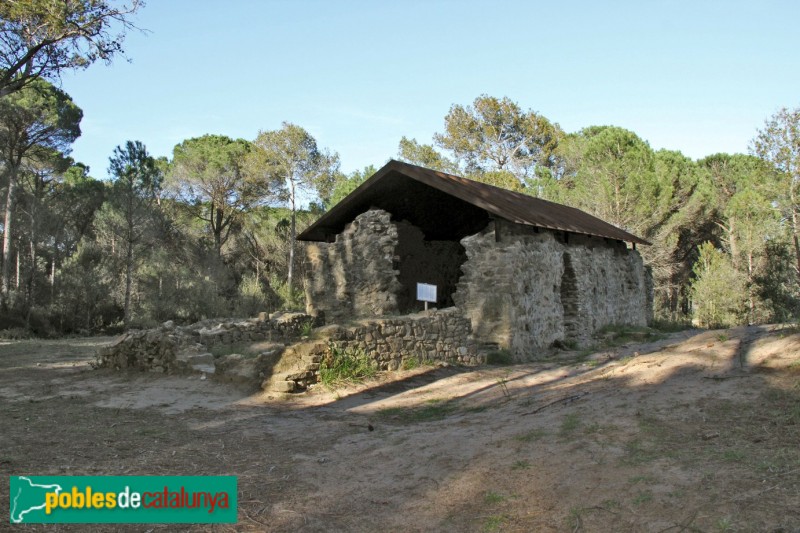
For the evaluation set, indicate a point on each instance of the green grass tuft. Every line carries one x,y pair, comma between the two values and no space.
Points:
492,497
306,328
521,465
410,363
494,522
436,409
643,497
570,423
499,357
531,436
346,366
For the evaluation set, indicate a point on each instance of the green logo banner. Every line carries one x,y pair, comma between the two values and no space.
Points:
123,499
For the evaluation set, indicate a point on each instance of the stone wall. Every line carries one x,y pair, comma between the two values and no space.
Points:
429,336
531,289
373,267
167,348
146,351
521,289
511,289
355,276
612,284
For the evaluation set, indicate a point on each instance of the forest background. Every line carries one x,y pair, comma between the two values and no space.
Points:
210,231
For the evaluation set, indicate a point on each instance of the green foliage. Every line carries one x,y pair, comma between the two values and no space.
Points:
497,135
777,286
208,177
614,171
252,297
410,363
82,302
343,366
344,185
778,144
494,522
130,216
41,38
290,159
306,328
37,124
499,357
293,300
492,497
718,291
424,155
670,326
219,240
643,497
436,409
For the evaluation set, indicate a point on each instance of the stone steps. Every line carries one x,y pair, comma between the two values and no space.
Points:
299,367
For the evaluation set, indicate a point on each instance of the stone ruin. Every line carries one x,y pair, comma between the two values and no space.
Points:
288,361
520,289
173,348
528,274
513,273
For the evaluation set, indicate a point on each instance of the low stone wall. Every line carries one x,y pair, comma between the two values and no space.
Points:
167,348
148,351
435,335
209,333
288,365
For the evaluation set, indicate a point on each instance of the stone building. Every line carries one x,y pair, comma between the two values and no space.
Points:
526,272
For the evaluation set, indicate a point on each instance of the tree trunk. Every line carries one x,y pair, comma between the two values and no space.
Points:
53,277
750,288
8,222
216,226
129,242
31,281
292,238
733,243
796,241
128,278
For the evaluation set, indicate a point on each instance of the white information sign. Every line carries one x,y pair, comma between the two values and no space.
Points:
426,292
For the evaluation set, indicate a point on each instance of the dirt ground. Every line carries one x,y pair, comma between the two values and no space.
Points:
697,432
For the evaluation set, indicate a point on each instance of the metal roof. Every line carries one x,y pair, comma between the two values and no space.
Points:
500,203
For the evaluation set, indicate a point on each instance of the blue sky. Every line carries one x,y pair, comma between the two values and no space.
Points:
696,76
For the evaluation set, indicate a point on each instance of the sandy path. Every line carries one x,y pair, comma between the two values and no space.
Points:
699,431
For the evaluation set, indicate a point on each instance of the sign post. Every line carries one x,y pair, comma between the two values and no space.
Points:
426,293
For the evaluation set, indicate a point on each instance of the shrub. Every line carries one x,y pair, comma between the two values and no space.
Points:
499,357
252,298
719,293
346,366
410,363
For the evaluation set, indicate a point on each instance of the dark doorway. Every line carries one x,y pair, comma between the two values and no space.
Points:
426,261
